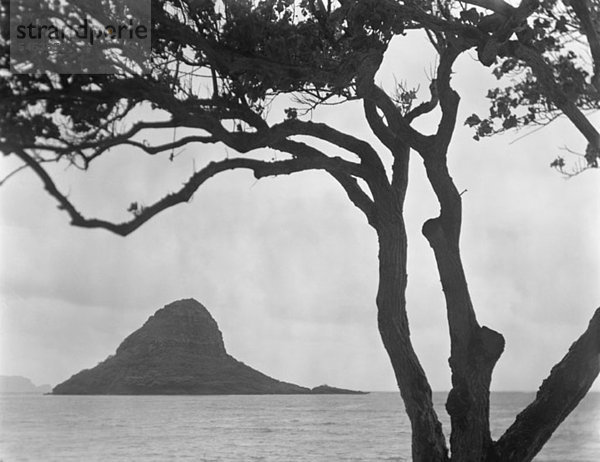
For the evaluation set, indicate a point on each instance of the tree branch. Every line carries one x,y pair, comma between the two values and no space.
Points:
449,99
395,121
584,14
546,77
360,148
368,91
356,195
344,176
559,394
399,149
427,106
370,169
378,127
260,169
152,150
11,174
497,6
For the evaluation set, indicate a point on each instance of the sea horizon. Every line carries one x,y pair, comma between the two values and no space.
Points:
269,428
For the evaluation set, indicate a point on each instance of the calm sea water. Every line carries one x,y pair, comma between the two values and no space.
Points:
248,428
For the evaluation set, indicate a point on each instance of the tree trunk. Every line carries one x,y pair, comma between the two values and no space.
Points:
474,352
474,349
428,442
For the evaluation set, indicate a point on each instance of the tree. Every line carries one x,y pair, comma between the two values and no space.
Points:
249,53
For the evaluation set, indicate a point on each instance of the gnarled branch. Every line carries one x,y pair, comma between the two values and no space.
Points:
260,169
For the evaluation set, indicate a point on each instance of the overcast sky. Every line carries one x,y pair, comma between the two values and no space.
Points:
288,266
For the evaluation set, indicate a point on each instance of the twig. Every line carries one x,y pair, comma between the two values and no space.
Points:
14,172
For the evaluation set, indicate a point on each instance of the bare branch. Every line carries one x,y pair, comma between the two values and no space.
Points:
101,146
152,150
14,172
343,174
362,149
355,193
260,169
559,394
427,106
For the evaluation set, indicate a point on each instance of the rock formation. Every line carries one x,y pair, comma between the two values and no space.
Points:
179,350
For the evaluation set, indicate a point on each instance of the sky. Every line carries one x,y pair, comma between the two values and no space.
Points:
288,267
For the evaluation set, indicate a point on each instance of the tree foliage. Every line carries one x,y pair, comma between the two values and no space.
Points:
553,68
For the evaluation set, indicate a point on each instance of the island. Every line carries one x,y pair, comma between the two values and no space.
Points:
18,384
327,390
178,351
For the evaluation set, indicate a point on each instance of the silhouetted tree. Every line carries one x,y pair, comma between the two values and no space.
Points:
249,52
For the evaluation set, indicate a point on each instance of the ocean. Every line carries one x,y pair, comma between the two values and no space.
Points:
271,428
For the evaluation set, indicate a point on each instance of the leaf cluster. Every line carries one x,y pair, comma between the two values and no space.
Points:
528,97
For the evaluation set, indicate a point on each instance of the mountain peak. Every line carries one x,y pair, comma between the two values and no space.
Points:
185,304
184,324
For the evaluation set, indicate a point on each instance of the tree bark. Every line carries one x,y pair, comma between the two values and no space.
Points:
428,442
474,349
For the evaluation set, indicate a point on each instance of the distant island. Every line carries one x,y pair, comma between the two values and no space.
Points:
18,384
178,351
